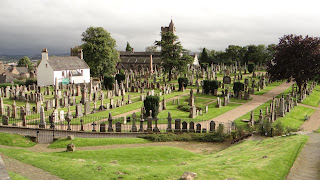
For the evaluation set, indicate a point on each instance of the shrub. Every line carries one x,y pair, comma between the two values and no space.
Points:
201,137
278,128
185,82
108,82
238,86
210,86
30,82
251,67
120,77
152,103
184,108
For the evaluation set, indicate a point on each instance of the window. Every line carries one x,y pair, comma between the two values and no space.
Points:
82,72
46,65
62,73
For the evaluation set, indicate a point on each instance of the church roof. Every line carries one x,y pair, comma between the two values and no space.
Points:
59,63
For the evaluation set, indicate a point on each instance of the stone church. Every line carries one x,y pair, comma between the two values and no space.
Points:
146,60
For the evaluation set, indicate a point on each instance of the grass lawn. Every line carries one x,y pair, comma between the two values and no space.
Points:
82,142
15,176
256,112
243,161
295,118
268,88
314,98
15,140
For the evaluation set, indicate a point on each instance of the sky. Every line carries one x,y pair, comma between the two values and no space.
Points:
27,26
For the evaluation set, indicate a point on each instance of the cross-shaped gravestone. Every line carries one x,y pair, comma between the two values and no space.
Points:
81,125
68,120
93,126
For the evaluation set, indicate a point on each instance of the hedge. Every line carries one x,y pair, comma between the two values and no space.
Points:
152,103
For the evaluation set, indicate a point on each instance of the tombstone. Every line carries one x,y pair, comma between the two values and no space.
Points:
191,127
226,80
193,112
134,127
206,109
14,110
169,129
177,124
110,129
198,128
212,126
149,122
42,123
1,106
252,118
94,126
5,120
79,110
118,126
103,127
61,115
184,126
87,108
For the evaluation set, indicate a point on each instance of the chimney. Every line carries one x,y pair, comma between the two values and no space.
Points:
80,54
44,54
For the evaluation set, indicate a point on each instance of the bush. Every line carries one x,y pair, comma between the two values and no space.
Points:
251,67
120,77
108,82
278,129
185,82
201,137
184,108
238,86
152,103
4,85
210,86
30,82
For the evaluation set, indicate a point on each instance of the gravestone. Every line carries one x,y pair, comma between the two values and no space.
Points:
79,110
184,126
212,126
5,120
103,127
191,127
134,127
198,128
169,129
87,108
226,80
118,126
177,125
42,123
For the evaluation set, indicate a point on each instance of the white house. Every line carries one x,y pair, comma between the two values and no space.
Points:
66,69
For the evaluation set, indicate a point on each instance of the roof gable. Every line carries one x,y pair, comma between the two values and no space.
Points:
59,63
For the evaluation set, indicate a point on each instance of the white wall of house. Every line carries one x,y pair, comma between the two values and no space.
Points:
76,79
45,75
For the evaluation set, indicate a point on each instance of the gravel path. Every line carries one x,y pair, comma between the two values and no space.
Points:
256,101
307,165
26,170
313,123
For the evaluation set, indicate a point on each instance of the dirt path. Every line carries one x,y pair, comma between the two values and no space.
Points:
307,165
26,170
313,123
256,101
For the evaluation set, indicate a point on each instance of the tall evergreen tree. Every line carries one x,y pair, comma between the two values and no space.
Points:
204,58
129,48
172,53
99,51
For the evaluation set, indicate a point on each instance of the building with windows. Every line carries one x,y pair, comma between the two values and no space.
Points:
66,69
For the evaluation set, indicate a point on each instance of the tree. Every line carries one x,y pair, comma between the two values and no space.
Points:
99,51
152,48
129,48
25,62
172,54
295,57
204,58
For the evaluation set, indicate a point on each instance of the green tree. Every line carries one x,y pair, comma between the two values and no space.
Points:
129,48
204,58
25,62
152,48
172,54
99,51
296,58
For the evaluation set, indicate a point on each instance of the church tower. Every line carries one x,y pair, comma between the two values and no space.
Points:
170,28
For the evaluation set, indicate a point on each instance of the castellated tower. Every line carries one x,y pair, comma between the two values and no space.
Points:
171,28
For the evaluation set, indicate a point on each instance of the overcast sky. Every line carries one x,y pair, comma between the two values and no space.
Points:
27,26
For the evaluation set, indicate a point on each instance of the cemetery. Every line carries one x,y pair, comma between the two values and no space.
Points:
246,113
191,112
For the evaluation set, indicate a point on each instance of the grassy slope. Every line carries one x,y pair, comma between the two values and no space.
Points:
81,142
314,98
295,118
242,161
15,176
15,140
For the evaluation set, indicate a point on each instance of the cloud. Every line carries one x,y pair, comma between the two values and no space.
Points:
29,26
